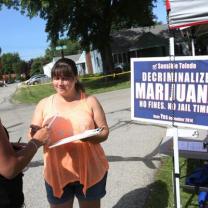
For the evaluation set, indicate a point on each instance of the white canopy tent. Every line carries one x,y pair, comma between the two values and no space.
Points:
188,15
184,14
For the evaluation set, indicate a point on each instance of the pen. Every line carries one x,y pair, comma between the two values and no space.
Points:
100,129
19,140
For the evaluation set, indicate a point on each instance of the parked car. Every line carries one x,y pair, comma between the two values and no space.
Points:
1,83
37,79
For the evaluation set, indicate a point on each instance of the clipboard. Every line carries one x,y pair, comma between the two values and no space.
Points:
85,134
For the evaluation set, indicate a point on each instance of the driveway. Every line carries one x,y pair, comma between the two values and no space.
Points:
131,150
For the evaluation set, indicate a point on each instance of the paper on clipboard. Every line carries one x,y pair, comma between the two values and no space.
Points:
86,134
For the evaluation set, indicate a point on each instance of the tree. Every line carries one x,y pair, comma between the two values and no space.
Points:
9,62
37,66
88,21
72,47
20,67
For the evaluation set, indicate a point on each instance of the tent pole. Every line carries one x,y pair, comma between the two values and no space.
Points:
192,47
176,173
172,47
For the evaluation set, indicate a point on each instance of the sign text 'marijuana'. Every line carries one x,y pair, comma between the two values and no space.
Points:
166,91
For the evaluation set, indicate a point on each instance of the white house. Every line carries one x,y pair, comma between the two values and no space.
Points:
87,63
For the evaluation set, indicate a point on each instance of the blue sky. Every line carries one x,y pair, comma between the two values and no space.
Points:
160,11
20,34
27,36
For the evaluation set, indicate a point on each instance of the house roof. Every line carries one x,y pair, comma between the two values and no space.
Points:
74,57
139,38
149,40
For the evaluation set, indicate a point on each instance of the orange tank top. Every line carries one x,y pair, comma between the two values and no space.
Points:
76,161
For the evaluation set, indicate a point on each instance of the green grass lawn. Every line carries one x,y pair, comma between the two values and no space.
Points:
161,191
93,85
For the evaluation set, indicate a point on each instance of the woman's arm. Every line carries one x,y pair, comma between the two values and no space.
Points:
12,163
99,120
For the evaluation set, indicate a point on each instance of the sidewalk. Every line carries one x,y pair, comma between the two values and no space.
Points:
5,92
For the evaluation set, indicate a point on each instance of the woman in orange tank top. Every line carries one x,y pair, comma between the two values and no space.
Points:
79,168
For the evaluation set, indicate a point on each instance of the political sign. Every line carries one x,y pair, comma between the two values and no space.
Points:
170,91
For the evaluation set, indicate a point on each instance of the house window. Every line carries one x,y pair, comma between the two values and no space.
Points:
119,58
115,58
98,63
124,57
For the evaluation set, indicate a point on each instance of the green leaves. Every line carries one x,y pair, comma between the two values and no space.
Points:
9,62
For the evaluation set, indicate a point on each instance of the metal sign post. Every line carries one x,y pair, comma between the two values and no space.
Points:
176,172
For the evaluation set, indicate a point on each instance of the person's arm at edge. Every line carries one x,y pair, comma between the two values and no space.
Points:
99,120
12,163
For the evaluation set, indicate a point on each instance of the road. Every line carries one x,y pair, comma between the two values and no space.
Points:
131,150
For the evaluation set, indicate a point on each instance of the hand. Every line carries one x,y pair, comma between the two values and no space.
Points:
18,146
41,135
34,129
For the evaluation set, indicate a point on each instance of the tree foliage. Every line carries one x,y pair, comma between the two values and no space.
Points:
72,47
37,66
88,21
20,67
9,62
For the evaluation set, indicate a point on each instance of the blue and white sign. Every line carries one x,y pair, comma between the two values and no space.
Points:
170,91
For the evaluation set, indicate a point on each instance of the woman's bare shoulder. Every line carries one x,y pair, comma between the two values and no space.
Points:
91,99
43,102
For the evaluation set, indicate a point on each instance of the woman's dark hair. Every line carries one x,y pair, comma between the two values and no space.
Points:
66,68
